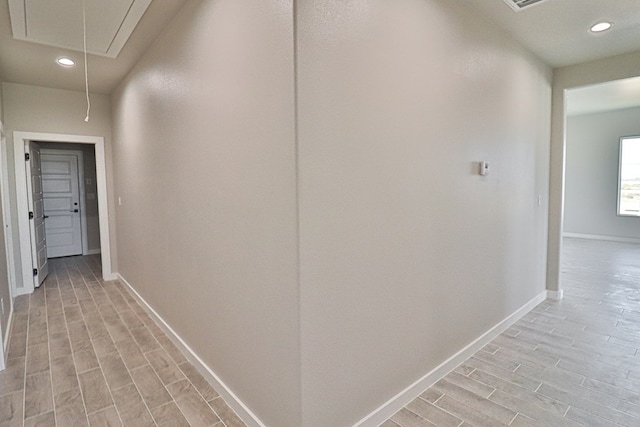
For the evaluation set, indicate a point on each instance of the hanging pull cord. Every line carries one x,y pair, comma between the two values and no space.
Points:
86,73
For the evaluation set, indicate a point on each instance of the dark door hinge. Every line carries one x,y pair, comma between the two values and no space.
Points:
30,215
35,271
26,157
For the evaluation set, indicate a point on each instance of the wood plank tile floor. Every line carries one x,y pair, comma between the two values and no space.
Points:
84,353
573,362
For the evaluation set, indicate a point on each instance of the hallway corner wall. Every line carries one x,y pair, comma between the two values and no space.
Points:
205,165
408,254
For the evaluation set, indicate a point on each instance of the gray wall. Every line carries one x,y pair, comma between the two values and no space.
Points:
38,109
591,176
406,255
91,205
204,145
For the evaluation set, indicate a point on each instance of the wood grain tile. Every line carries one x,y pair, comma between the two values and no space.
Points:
169,415
37,358
479,403
105,418
77,342
85,360
150,386
12,378
406,418
38,396
59,345
566,363
172,350
11,409
131,354
63,374
127,398
114,371
432,413
203,387
69,408
145,340
17,346
44,420
193,406
226,414
467,413
166,369
95,392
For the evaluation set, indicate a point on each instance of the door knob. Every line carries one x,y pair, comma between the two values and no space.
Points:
75,210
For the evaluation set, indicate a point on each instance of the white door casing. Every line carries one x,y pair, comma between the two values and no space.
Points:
23,234
8,242
36,214
60,184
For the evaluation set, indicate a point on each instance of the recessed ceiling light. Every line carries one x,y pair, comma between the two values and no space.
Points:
601,26
66,62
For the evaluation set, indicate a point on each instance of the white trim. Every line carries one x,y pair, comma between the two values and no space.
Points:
555,295
6,340
92,252
601,237
229,396
6,215
19,140
407,395
83,213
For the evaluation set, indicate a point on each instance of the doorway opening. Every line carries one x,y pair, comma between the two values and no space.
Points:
70,199
68,226
596,118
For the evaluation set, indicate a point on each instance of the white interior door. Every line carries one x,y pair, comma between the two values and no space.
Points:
62,204
36,215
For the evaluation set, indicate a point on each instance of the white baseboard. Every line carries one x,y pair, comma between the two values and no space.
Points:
555,295
22,291
112,276
232,400
92,252
600,237
6,339
400,400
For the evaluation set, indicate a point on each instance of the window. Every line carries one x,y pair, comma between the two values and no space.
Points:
629,176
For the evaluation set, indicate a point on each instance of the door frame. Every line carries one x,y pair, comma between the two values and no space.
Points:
8,242
83,215
20,139
6,213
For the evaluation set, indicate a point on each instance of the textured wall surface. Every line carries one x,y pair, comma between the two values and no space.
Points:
205,155
407,255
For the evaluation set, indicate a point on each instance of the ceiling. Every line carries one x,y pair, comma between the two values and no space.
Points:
111,23
555,30
54,28
609,96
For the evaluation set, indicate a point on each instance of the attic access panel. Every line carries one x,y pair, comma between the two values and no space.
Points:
59,23
518,5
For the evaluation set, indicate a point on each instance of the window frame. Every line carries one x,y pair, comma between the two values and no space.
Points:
619,210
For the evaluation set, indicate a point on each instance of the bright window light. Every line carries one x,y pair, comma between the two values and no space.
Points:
629,176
